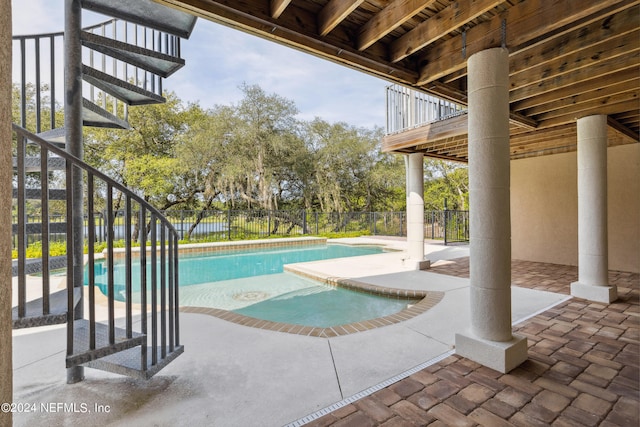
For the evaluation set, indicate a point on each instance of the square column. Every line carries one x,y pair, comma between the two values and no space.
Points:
490,341
415,210
6,172
593,253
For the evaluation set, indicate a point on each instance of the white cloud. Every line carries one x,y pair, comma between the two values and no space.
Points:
219,59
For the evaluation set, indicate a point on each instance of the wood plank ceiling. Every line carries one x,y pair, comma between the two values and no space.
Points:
568,58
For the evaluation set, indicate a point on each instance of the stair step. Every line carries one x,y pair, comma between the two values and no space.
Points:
129,362
83,354
34,315
147,13
155,62
95,116
32,164
36,228
92,115
56,136
34,265
36,193
124,91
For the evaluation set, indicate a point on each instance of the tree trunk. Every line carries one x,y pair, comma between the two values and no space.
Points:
199,218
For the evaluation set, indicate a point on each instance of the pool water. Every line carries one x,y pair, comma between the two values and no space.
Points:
257,262
323,306
253,283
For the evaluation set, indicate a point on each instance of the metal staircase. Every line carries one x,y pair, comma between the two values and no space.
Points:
118,63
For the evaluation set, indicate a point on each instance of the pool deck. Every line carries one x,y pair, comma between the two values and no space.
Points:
234,375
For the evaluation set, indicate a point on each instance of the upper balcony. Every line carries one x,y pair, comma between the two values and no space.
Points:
409,109
413,116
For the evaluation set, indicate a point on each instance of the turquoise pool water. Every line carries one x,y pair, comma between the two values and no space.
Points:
257,262
323,306
252,283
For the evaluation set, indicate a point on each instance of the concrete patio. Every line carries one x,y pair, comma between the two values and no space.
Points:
234,375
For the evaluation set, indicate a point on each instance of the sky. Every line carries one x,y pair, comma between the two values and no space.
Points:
220,59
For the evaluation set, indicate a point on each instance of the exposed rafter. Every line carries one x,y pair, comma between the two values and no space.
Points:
523,23
335,12
278,6
390,18
567,58
454,16
614,124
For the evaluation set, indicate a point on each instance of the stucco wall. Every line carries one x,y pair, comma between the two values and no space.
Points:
544,208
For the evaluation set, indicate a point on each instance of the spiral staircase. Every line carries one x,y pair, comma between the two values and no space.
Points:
133,329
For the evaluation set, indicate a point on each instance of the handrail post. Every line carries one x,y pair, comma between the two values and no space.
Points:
73,129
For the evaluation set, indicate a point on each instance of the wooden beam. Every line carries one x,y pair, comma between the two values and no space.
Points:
547,52
517,138
542,56
524,22
606,51
446,91
522,120
604,109
592,103
614,124
298,30
545,152
278,6
607,71
388,19
335,12
561,139
565,92
601,92
441,145
454,126
454,16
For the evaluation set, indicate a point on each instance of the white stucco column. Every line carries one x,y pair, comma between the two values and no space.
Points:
6,172
593,254
489,340
415,209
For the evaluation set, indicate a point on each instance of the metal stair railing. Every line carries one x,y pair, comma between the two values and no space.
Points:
150,297
38,66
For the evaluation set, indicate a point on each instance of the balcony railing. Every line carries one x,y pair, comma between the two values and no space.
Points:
409,108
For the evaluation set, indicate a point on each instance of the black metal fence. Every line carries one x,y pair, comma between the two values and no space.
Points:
219,225
456,226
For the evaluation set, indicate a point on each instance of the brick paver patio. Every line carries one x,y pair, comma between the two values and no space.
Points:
583,368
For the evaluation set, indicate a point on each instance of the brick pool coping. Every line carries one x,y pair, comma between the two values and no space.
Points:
208,247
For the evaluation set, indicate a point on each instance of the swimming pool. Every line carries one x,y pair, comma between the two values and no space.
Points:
251,282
